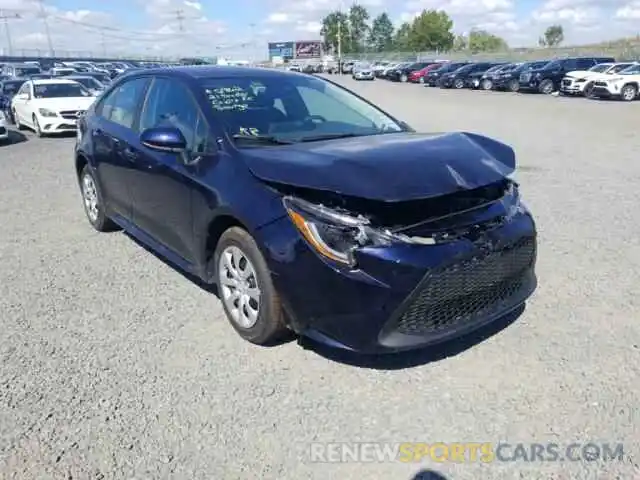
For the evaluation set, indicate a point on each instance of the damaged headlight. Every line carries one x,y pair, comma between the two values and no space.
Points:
332,234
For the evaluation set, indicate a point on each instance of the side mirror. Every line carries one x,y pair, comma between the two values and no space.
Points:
164,139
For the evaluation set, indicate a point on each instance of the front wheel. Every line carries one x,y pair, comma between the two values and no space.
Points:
404,78
588,90
421,80
36,127
628,93
246,289
513,86
459,84
487,84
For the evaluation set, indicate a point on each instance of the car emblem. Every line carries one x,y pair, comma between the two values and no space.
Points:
78,114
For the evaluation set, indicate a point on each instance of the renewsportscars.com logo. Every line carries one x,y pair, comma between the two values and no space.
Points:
466,452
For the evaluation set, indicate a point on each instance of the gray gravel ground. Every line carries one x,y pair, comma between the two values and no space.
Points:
116,366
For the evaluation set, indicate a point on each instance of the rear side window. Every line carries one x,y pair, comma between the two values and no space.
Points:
586,63
121,104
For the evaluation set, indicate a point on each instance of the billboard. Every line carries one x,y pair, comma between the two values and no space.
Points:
284,50
309,49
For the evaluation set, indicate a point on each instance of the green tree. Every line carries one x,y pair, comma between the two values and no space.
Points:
431,31
381,34
483,41
358,26
335,30
401,40
553,36
460,43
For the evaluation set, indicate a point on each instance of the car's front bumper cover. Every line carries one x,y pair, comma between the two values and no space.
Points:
403,296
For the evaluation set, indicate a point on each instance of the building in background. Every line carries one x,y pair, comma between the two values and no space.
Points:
284,50
299,50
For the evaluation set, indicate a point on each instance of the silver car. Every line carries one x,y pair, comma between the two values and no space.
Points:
363,72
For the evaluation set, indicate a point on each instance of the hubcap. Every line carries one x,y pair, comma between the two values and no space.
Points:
239,287
90,196
628,93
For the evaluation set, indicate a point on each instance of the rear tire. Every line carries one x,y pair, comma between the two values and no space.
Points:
487,84
16,120
513,86
458,84
94,199
269,326
629,93
546,87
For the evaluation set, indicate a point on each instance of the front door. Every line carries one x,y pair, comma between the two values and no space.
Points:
162,184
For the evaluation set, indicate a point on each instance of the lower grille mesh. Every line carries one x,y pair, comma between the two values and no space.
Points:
458,294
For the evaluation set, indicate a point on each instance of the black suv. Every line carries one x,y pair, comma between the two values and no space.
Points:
547,79
432,77
462,77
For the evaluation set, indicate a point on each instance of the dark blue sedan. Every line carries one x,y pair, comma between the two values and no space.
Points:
311,209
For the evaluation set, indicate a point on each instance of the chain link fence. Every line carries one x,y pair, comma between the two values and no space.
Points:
80,54
622,51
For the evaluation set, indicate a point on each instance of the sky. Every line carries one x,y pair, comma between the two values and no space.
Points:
242,28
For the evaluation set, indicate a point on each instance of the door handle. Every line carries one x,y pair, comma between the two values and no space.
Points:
96,131
130,154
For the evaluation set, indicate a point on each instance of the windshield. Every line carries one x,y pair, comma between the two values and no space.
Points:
88,82
26,71
59,90
603,67
634,70
293,109
10,88
620,68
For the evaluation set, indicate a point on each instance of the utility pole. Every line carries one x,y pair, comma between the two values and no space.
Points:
103,41
340,37
5,20
43,13
180,19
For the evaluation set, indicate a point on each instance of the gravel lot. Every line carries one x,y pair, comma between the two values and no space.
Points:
114,365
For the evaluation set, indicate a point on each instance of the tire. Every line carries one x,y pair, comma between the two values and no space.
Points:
588,90
546,87
404,78
16,120
458,84
99,220
487,84
269,323
421,80
628,93
36,127
513,85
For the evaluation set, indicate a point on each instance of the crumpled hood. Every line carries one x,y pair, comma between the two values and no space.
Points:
389,167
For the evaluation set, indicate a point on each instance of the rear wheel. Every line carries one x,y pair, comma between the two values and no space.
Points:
93,202
16,120
246,289
404,78
459,83
487,84
421,80
513,85
546,87
628,93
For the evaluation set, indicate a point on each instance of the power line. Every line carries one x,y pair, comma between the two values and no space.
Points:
5,20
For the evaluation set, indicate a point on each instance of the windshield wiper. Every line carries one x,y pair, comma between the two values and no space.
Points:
328,136
265,139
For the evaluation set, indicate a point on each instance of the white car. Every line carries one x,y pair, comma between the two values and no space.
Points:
4,127
624,85
50,106
580,82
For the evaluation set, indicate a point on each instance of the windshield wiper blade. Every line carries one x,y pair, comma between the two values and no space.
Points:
328,136
266,139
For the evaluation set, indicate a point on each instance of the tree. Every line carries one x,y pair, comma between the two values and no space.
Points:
358,18
553,36
381,34
483,41
431,31
460,43
336,25
401,40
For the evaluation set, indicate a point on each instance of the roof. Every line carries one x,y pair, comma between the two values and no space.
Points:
217,71
50,81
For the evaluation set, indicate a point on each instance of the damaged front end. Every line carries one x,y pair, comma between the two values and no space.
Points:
336,226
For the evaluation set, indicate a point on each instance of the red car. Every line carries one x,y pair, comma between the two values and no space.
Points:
418,75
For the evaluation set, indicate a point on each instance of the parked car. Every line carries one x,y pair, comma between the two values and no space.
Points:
581,82
486,79
347,67
431,78
8,88
510,79
463,76
294,67
379,67
363,71
50,106
88,82
475,78
401,74
274,209
4,127
18,70
547,80
624,85
62,71
419,75
387,71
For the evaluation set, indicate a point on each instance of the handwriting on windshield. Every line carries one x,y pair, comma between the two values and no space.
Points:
229,98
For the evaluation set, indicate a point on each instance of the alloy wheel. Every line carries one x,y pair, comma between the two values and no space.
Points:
487,84
404,78
239,287
421,80
90,198
628,93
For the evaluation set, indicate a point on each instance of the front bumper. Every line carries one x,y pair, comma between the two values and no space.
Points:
404,296
363,76
58,124
571,87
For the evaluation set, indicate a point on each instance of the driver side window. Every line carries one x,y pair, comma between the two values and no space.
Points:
331,110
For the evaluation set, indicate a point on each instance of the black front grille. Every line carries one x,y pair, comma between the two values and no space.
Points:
3,130
71,114
468,290
566,83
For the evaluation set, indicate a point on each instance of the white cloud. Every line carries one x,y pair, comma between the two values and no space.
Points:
630,11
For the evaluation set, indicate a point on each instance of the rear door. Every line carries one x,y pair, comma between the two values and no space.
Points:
113,129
